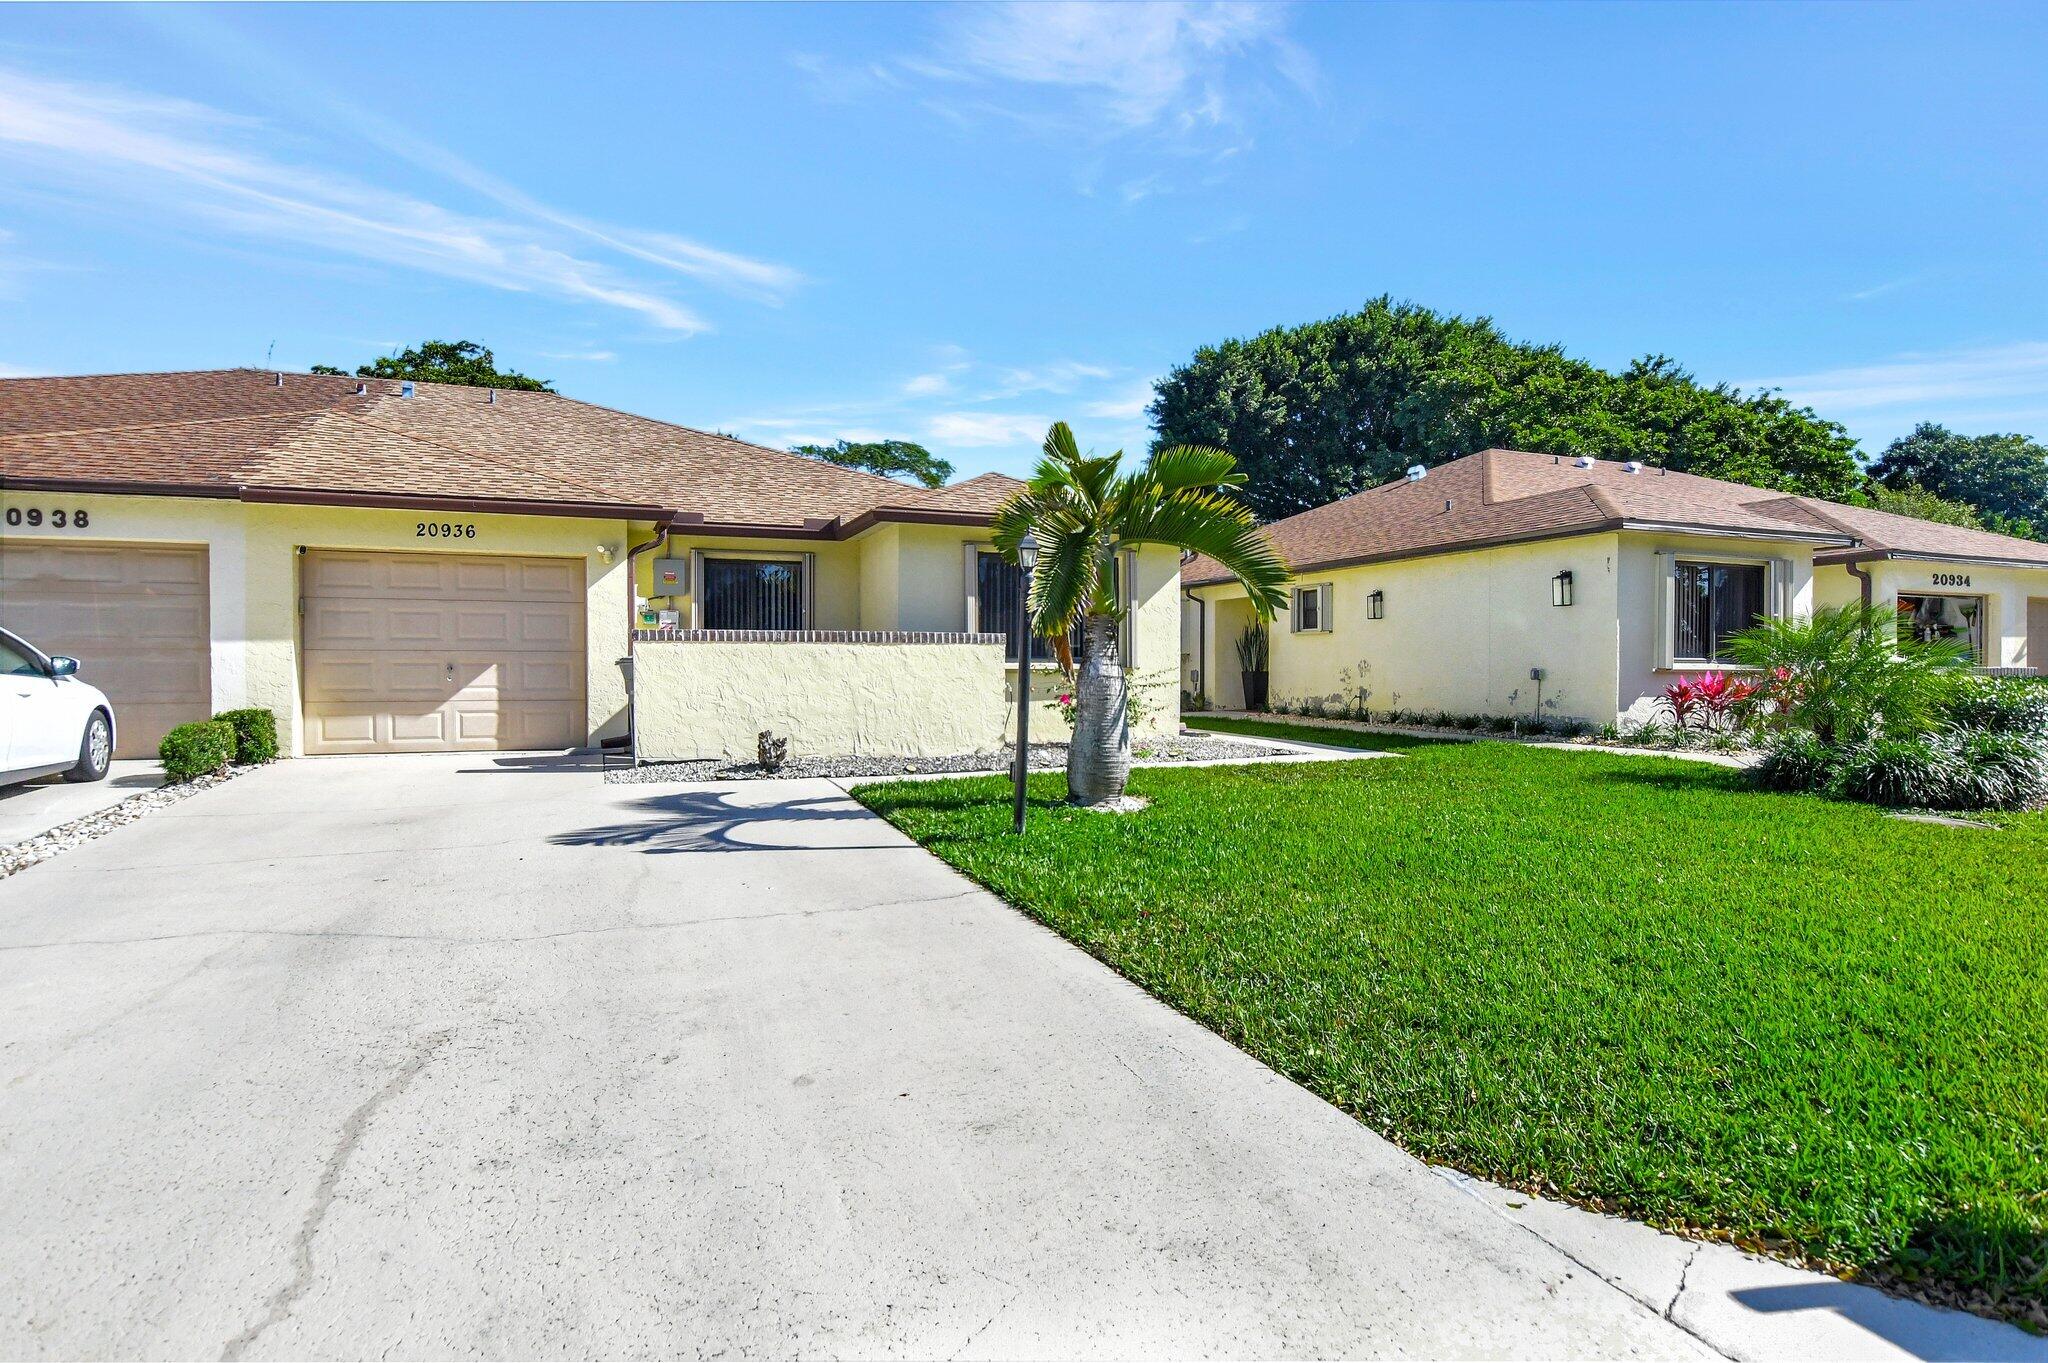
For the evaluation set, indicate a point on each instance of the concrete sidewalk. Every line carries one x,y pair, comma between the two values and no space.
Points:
483,1058
36,807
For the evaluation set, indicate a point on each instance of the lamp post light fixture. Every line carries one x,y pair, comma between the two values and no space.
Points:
1027,559
1561,589
1376,606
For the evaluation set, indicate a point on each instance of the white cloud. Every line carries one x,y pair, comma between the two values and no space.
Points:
1061,376
970,429
583,356
927,385
150,154
1925,380
1128,405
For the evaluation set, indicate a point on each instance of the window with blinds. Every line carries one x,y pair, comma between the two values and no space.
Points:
741,593
1713,602
997,585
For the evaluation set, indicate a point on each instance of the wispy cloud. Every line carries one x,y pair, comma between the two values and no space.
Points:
1174,77
926,385
1880,290
1954,379
147,153
975,429
1060,376
1128,405
581,356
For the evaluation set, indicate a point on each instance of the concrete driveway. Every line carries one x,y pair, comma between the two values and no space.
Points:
35,807
469,1056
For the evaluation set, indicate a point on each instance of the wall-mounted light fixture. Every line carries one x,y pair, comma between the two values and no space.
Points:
604,552
1376,606
1561,589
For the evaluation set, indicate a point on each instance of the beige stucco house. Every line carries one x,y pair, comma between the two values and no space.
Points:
1513,583
399,567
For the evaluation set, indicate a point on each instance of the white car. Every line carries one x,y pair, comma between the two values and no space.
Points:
50,721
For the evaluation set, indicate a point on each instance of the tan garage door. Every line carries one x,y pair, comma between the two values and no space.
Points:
442,652
133,615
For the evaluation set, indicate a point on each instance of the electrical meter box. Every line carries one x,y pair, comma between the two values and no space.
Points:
671,576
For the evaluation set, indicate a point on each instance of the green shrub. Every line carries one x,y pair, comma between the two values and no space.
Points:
197,749
2001,705
255,734
1900,772
1997,770
1845,673
1796,760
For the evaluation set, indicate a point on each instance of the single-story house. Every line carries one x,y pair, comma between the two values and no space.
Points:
413,567
1514,583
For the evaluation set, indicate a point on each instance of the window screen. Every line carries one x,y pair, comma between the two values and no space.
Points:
742,593
1714,602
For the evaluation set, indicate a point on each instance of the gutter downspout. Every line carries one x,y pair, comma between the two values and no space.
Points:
1862,576
633,625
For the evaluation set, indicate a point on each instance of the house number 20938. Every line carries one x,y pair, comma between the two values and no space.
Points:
34,518
1951,579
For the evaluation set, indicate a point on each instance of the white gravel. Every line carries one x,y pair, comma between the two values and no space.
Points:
65,836
1186,748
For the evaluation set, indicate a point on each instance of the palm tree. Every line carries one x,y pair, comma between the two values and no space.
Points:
1084,509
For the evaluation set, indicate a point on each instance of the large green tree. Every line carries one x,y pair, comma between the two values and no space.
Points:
1320,411
890,458
463,362
2004,477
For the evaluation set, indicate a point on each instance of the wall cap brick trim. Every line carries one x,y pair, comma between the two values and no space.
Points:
810,636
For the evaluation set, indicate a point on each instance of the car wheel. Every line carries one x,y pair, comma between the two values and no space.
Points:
95,750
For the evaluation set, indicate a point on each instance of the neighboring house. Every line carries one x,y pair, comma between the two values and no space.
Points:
398,567
1508,582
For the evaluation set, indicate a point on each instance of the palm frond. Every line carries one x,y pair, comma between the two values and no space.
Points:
1186,467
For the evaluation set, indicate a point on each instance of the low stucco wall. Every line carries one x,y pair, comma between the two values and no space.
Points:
832,695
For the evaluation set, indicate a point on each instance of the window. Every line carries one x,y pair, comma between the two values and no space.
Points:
747,593
1312,609
1931,619
1713,602
15,663
997,581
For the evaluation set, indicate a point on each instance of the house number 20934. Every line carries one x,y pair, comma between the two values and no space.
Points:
34,518
1951,579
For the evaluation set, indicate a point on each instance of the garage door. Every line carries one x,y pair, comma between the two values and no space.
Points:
441,652
133,615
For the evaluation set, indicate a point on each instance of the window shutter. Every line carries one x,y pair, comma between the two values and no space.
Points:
1781,589
1323,617
971,553
1663,590
1294,613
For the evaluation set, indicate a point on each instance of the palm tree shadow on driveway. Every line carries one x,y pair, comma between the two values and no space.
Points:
712,821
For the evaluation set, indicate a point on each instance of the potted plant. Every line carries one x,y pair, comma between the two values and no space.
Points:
1251,663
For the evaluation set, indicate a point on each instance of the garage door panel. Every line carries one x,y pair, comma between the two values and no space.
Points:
135,617
473,663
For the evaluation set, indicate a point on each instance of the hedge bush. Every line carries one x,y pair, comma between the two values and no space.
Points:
197,749
1900,772
2000,705
255,734
1797,760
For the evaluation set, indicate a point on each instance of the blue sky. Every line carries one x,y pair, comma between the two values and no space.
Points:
953,224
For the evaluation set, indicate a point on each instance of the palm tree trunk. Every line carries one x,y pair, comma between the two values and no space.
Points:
1099,757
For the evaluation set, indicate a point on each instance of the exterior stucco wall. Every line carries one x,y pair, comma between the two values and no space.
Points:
2005,592
1460,633
703,699
253,580
1642,678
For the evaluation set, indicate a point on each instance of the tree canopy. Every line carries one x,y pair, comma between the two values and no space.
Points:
2004,478
463,362
1320,411
890,458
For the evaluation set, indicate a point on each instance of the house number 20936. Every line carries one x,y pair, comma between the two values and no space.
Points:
34,518
1951,579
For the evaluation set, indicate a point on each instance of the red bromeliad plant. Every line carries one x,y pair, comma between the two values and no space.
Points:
1683,699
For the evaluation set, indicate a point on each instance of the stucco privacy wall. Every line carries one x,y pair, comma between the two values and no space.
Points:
699,698
253,579
2005,590
1460,632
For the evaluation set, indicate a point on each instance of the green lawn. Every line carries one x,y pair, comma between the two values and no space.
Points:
1626,980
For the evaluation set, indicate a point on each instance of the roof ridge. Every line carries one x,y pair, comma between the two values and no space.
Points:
1603,503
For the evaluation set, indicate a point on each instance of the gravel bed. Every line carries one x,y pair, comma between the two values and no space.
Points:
65,836
1187,748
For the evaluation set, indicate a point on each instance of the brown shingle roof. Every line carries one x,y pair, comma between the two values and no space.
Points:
1506,496
246,432
1885,535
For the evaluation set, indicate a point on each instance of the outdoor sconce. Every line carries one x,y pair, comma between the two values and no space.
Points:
1376,606
1561,589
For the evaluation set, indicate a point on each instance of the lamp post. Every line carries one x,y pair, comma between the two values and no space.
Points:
1027,559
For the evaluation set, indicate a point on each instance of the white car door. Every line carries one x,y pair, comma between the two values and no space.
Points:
43,724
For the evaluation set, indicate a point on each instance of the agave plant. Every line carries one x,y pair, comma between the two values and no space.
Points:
1084,509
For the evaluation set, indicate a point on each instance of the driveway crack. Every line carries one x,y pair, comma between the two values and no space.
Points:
287,1297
